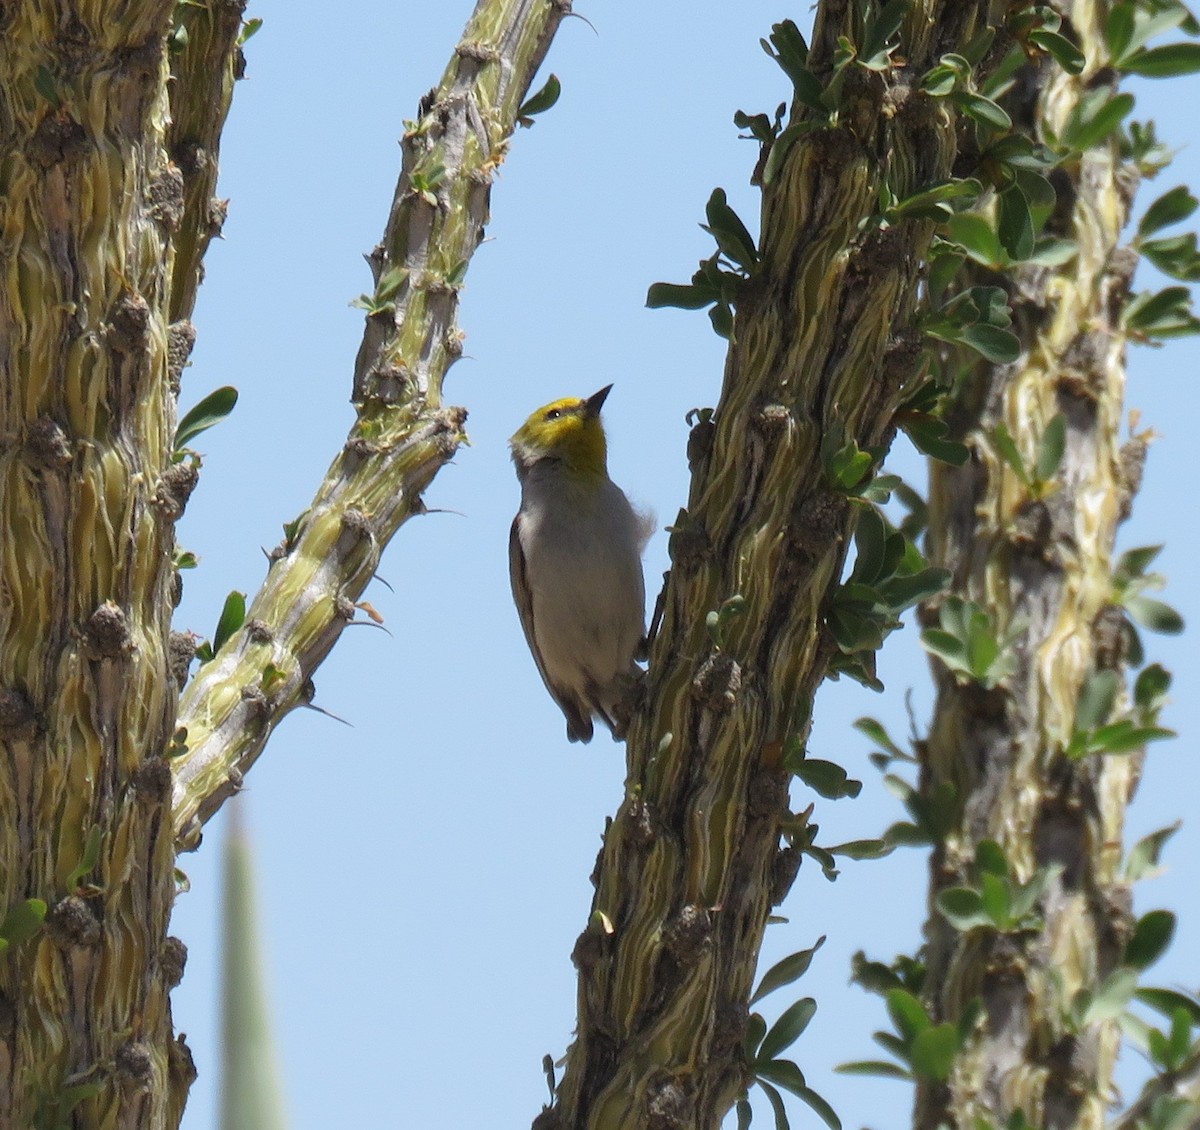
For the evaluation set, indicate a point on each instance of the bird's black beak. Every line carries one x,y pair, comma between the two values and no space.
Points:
596,401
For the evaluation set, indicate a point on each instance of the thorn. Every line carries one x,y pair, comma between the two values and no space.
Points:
585,20
370,624
328,714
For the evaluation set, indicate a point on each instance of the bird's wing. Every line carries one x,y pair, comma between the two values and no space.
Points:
579,720
522,596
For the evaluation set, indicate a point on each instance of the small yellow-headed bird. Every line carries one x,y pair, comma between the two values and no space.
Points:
575,559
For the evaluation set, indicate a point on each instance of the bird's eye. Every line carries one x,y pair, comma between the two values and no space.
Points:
554,414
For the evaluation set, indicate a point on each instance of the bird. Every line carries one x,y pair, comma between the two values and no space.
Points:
575,562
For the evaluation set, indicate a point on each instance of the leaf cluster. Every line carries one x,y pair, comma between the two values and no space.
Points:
970,647
997,900
763,1046
888,576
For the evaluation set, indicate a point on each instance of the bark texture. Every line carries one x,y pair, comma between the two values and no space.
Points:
93,337
684,882
1041,568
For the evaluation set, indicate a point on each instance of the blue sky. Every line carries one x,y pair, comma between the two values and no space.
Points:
424,872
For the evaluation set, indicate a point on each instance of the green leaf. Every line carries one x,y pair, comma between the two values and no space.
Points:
1155,615
907,1013
870,543
721,316
928,435
905,834
1126,736
540,102
1181,1038
1135,562
1028,894
783,1033
963,908
854,622
1168,1001
1007,447
784,972
862,849
1015,223
820,1108
1149,155
903,591
233,615
1051,448
1143,859
932,1052
250,28
1111,997
859,666
1096,700
879,490
874,729
849,468
745,1115
982,110
1118,30
777,1107
950,73
23,921
1065,53
826,861
211,410
1151,937
1095,117
760,126
880,30
756,1029
946,646
726,227
983,649
1171,208
827,779
892,1043
1147,307
1177,256
997,903
1164,62
990,859
996,345
1164,314
44,84
975,234
87,860
782,1072
681,295
932,202
791,53
1049,251
873,1067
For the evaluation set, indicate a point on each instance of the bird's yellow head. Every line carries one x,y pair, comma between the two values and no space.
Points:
568,430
